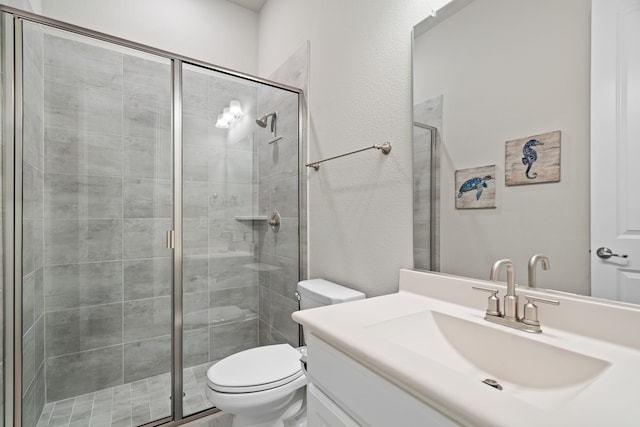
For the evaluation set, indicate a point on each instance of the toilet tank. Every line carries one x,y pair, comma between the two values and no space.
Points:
320,292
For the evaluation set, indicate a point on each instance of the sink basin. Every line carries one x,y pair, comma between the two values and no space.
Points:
540,373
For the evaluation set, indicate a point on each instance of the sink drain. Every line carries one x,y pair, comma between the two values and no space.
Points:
492,383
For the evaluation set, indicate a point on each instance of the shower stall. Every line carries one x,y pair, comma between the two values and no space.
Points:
137,249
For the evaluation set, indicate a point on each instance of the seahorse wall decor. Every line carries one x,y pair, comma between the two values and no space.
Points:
476,188
533,159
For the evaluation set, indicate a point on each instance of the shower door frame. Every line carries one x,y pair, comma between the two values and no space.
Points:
12,44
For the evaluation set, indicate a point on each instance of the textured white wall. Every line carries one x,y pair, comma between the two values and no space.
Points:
360,207
215,31
508,70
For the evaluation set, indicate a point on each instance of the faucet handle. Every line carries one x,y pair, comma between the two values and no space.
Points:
531,310
493,308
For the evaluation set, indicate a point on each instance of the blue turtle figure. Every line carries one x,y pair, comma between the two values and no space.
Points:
476,183
529,156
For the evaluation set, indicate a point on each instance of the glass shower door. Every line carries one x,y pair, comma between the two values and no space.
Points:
97,202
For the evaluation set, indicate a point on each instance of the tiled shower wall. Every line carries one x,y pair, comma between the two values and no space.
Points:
107,205
278,179
33,350
220,287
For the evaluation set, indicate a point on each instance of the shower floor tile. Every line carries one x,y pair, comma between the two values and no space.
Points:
129,405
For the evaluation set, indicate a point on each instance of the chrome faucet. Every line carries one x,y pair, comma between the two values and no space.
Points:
529,322
511,299
532,267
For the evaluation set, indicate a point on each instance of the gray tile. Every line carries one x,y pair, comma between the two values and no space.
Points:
38,293
84,328
195,89
141,117
196,310
147,198
70,240
140,157
76,151
81,373
33,400
196,122
286,240
143,359
219,165
80,418
239,166
121,422
240,200
32,238
77,196
195,273
218,201
264,304
63,105
83,403
28,290
146,78
102,240
223,234
232,338
29,356
196,200
103,111
147,318
32,192
196,347
195,237
79,285
231,272
81,63
281,310
245,297
284,197
285,279
146,278
196,159
146,238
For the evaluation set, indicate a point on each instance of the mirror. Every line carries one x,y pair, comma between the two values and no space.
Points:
484,73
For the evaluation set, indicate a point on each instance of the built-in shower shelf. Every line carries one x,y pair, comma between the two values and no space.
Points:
251,218
260,266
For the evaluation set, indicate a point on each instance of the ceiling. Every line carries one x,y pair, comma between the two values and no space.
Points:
254,5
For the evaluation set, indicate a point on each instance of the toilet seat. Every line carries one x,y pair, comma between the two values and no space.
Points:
256,369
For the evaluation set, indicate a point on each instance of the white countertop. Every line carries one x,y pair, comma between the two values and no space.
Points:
613,398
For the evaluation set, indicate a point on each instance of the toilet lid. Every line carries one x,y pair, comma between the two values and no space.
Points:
256,369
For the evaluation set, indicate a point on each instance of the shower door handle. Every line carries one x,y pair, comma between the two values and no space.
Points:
170,240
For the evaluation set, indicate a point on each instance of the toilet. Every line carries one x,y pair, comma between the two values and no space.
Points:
265,386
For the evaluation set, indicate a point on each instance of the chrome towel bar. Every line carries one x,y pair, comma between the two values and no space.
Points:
384,147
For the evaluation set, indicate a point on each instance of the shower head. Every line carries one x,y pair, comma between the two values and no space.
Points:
262,121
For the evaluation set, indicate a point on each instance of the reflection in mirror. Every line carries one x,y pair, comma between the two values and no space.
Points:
494,71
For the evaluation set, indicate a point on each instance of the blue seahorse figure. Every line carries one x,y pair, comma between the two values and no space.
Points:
529,156
476,183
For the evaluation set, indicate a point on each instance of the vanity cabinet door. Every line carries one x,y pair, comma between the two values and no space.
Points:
323,412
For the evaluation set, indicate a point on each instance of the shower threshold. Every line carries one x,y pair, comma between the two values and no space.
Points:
129,405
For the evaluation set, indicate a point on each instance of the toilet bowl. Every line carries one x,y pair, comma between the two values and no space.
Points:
262,386
265,386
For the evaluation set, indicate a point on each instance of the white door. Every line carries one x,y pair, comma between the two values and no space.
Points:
615,149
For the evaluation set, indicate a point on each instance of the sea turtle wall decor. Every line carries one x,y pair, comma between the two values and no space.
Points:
476,188
533,160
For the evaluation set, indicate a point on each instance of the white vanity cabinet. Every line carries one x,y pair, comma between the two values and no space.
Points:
323,412
344,393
